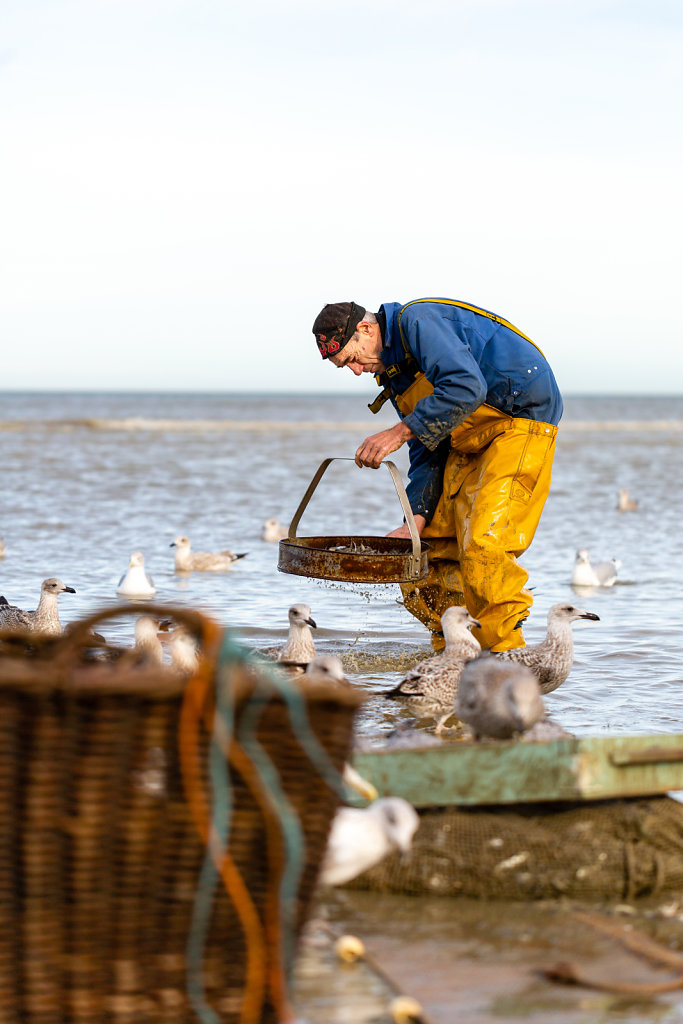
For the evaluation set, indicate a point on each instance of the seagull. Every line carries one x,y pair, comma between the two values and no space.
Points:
300,647
201,561
3,549
361,837
326,668
551,661
136,582
273,531
498,699
626,503
593,574
405,736
431,685
147,642
184,657
45,619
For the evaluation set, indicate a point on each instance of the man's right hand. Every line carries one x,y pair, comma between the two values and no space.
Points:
403,531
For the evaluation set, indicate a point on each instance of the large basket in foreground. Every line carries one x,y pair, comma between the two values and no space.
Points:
106,886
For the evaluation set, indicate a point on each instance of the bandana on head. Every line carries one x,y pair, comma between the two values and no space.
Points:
335,325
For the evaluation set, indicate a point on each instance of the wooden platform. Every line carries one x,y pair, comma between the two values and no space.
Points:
510,772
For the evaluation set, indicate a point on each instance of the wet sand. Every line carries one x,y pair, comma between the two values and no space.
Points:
478,962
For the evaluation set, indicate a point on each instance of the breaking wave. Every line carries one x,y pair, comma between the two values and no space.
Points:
140,424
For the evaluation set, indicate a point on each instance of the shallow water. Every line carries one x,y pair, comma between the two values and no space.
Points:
89,478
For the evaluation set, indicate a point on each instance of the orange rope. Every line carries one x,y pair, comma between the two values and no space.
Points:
194,702
276,975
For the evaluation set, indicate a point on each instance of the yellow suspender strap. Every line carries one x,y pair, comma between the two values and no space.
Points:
462,305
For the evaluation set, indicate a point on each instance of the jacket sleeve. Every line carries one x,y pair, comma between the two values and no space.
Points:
444,355
425,476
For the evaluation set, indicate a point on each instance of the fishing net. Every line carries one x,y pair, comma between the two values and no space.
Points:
612,849
114,905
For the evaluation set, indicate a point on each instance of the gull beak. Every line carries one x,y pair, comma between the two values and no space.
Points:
590,615
475,622
69,590
311,622
355,781
172,544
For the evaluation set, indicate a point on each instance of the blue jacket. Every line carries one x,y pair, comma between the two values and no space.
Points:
470,356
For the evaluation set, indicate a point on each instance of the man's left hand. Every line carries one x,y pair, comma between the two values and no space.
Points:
376,447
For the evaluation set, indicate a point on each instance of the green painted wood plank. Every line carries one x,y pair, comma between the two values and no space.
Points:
512,772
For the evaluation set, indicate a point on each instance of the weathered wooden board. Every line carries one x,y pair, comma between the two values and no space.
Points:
592,768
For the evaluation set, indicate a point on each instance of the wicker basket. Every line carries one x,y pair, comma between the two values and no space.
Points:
100,853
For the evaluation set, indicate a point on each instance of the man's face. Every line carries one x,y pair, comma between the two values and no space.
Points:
362,355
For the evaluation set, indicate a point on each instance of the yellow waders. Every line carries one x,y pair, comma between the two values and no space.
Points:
495,484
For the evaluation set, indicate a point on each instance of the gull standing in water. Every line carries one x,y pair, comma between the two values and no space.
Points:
626,503
498,698
45,619
362,837
273,531
551,661
430,687
300,647
136,581
147,642
593,574
201,561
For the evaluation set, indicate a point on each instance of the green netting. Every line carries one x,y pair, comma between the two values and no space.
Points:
612,849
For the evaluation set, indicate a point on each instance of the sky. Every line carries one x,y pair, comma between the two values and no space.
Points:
185,183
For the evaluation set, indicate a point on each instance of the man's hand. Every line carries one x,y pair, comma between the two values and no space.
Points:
376,447
403,531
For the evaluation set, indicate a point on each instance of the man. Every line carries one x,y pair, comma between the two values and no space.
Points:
479,409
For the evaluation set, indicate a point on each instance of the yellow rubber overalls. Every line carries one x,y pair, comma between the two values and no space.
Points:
495,484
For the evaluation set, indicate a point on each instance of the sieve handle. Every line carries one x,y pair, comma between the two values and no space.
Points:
402,497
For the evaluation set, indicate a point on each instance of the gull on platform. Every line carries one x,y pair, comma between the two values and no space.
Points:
551,661
430,687
136,581
202,561
273,531
593,574
362,837
499,699
45,618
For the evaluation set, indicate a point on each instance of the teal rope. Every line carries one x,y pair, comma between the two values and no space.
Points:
221,817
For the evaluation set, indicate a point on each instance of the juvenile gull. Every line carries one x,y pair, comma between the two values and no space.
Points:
201,561
551,661
626,503
147,642
273,531
184,657
362,837
136,581
498,699
45,619
593,574
326,668
300,647
430,686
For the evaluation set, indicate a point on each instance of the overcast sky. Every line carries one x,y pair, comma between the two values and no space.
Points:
184,183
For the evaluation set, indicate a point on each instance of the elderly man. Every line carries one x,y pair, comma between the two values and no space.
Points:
479,408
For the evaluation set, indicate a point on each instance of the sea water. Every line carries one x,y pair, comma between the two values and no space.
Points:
89,478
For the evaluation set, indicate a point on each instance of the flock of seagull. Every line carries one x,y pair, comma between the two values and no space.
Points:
499,696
